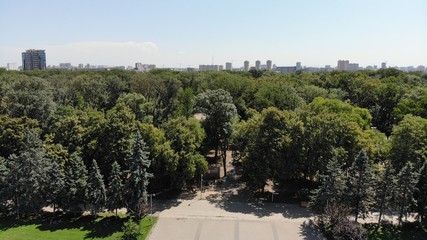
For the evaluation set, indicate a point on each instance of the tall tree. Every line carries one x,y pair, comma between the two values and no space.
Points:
331,189
115,191
27,176
186,102
406,186
385,190
55,189
186,137
360,185
219,109
96,188
408,142
422,194
76,176
138,179
3,183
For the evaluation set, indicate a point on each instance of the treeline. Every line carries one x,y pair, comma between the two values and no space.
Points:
281,126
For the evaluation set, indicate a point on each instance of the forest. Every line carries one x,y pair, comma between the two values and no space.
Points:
351,140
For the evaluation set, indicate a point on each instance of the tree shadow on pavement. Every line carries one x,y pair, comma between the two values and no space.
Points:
235,200
309,231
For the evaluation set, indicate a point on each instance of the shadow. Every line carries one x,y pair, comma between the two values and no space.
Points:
105,227
238,199
309,231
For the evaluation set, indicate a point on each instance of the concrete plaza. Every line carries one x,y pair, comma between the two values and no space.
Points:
210,219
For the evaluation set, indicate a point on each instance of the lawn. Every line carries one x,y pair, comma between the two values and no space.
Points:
104,226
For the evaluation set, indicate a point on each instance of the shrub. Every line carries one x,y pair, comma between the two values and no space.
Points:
130,230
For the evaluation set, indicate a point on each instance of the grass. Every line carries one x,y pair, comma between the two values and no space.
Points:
103,226
393,232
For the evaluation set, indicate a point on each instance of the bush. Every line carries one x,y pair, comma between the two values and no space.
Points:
130,230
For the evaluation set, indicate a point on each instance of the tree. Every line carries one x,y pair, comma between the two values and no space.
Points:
186,137
385,190
76,177
115,191
138,179
3,184
422,194
332,188
408,142
406,186
55,189
219,109
12,133
360,185
186,102
27,176
96,189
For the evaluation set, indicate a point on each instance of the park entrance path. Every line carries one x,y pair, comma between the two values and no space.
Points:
212,218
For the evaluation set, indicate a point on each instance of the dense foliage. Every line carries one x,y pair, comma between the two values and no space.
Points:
346,132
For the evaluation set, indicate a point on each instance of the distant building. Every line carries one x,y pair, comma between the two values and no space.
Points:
353,67
257,64
269,65
343,65
246,66
81,66
383,65
286,69
12,67
211,67
298,66
144,67
228,66
65,66
34,60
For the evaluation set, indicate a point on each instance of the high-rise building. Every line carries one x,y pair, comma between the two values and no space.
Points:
12,66
343,65
257,64
269,65
298,66
353,67
246,65
34,60
383,65
228,66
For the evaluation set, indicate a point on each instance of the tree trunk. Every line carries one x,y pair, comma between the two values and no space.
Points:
116,212
224,162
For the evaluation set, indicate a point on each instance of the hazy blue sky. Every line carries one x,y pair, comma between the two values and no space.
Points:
190,32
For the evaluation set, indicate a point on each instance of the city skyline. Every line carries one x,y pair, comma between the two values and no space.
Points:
192,33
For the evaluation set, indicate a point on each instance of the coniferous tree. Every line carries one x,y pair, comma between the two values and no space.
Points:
332,188
96,188
360,185
3,183
75,183
138,179
406,186
422,194
27,179
27,176
115,189
55,189
385,190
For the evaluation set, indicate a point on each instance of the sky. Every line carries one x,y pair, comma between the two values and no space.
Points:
186,33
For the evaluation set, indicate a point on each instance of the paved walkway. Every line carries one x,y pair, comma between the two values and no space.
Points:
212,219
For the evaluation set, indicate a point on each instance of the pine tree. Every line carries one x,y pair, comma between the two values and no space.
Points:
3,183
385,190
75,183
406,186
96,189
55,189
27,176
138,179
115,189
422,194
332,188
360,185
